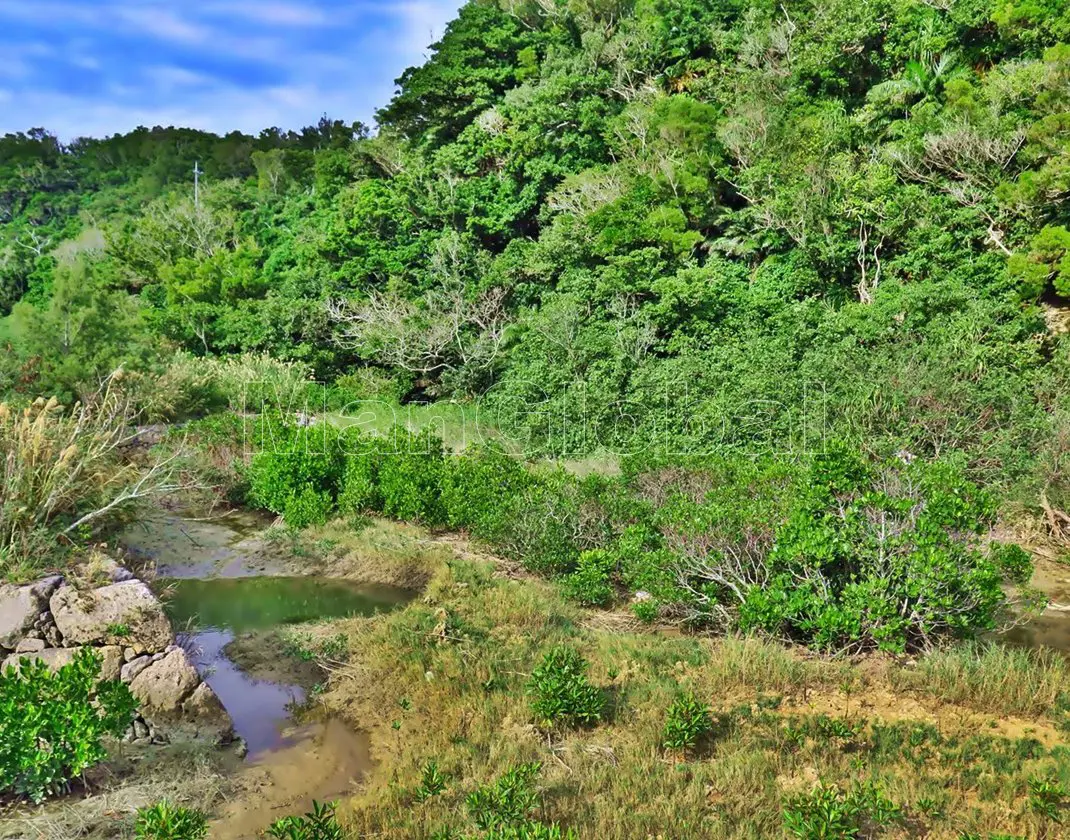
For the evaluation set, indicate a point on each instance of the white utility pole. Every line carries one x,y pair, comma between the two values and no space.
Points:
197,173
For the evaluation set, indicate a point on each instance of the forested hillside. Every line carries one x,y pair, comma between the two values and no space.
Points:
699,225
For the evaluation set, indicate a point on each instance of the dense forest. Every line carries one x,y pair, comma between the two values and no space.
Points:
706,226
762,306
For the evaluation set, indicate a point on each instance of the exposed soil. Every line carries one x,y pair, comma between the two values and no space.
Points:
880,704
264,655
325,764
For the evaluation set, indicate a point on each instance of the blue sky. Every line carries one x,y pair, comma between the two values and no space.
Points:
96,67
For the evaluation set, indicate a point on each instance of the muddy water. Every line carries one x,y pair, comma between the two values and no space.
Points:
216,609
230,544
1052,627
219,577
322,763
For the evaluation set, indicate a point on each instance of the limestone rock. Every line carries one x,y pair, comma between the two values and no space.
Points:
31,646
111,662
54,658
134,667
163,685
204,713
19,608
44,588
124,613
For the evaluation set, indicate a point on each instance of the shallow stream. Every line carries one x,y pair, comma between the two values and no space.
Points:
219,579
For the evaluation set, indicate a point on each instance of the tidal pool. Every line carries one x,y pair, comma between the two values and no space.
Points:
213,611
257,603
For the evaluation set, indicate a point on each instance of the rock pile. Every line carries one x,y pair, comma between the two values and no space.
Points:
119,616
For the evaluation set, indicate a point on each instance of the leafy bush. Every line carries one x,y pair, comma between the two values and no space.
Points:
164,821
298,471
544,528
1047,797
478,489
560,691
360,491
856,556
508,802
686,721
51,725
320,823
830,814
410,477
591,583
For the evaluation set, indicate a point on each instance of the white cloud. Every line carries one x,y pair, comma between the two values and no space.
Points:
170,77
277,14
218,65
161,24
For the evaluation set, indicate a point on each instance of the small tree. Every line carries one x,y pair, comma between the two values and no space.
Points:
52,724
560,691
686,721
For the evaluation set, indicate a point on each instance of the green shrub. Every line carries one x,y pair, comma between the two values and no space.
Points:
479,488
560,691
410,477
591,583
51,725
321,823
360,480
544,529
645,564
646,611
855,556
164,821
508,802
432,782
298,472
1047,797
686,722
827,813
307,506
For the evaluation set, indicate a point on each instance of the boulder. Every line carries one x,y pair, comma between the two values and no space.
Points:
31,646
44,588
134,667
204,717
54,658
19,608
111,662
52,636
164,685
125,613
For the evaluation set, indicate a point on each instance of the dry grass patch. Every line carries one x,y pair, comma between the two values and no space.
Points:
991,678
196,777
375,551
445,680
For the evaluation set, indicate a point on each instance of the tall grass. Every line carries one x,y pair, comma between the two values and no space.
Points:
65,473
192,386
992,677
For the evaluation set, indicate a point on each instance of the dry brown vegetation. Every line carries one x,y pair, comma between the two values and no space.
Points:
954,739
64,471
